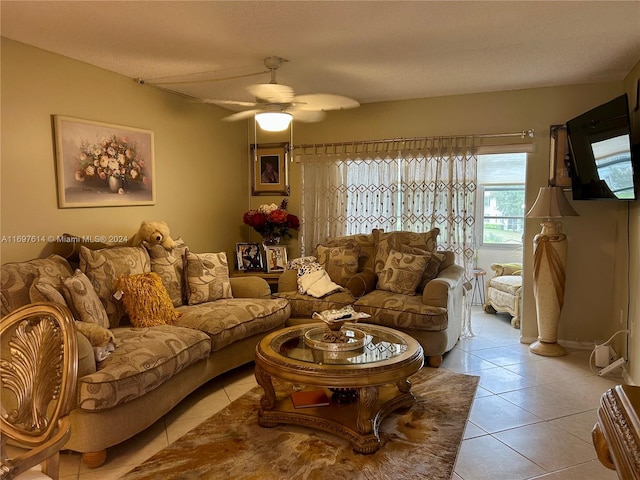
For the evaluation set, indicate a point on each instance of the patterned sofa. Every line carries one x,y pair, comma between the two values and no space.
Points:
152,368
399,278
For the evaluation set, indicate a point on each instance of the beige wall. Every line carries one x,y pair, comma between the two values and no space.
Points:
201,170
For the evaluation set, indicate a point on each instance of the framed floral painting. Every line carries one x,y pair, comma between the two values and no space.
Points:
276,257
103,165
270,169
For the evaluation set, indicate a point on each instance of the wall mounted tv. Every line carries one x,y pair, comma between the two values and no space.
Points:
604,166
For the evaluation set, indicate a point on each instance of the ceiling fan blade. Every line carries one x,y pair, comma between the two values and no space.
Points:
241,115
324,101
307,116
230,102
271,92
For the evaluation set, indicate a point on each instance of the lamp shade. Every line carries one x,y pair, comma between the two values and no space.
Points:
273,121
551,203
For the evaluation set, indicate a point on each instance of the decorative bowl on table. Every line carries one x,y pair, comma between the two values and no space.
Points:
335,319
344,340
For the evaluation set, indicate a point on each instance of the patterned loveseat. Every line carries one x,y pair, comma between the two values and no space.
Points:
399,278
152,368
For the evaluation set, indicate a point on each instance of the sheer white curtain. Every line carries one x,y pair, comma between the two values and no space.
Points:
413,185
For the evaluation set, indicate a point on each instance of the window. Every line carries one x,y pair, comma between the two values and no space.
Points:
501,180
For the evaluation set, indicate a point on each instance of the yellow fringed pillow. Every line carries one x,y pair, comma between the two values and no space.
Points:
146,300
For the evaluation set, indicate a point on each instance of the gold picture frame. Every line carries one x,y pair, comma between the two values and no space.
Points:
276,258
103,165
270,170
559,164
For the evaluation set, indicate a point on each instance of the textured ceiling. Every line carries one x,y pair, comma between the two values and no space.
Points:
370,51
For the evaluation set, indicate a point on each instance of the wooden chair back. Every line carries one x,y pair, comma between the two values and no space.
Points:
38,374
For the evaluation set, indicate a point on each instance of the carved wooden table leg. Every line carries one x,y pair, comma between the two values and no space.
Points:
404,385
268,400
367,398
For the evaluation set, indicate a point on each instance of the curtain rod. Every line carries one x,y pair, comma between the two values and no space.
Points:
521,134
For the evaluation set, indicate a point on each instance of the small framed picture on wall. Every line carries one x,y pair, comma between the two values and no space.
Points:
276,258
270,171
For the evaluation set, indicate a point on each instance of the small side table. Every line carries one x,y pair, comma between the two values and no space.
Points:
478,286
271,278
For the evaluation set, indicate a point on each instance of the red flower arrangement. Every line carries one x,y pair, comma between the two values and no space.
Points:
272,221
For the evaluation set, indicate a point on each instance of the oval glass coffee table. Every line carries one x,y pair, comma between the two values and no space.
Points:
377,373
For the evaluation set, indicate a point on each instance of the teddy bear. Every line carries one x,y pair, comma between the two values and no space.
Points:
154,233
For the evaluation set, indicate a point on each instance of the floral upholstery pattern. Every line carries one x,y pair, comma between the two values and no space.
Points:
83,300
401,311
144,360
17,278
434,260
231,319
170,266
103,267
387,241
341,263
402,272
365,241
46,290
207,277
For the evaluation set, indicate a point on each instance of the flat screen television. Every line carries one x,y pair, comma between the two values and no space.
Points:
603,164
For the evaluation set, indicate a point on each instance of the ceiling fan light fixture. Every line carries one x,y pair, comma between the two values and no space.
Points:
273,121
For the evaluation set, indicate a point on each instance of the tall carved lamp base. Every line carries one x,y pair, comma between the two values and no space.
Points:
549,264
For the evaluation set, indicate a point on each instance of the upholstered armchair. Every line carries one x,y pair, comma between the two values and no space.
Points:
504,290
381,276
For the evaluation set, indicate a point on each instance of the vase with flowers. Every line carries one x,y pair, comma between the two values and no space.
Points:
273,222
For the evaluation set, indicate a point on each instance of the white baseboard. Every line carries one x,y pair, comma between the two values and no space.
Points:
565,343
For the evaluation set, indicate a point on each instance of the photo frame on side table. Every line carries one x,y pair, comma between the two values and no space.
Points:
559,156
103,165
270,169
249,257
276,257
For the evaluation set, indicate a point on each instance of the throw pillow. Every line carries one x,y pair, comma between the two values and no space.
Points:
103,267
341,263
98,336
83,300
402,272
146,300
365,241
169,264
207,276
46,290
433,264
387,241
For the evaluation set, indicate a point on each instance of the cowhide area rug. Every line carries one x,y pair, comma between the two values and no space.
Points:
418,442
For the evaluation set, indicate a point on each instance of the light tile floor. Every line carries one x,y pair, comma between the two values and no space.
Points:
531,419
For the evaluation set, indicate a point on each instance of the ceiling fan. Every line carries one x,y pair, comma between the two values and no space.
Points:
276,105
